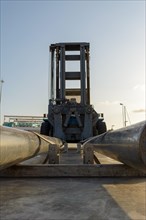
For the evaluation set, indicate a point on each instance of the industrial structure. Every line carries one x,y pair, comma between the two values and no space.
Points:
19,121
71,116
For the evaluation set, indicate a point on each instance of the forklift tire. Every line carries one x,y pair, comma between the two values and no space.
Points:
45,128
101,127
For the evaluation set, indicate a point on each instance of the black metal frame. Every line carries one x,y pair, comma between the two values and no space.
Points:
70,119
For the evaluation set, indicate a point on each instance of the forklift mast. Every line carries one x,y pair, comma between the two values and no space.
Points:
71,117
62,53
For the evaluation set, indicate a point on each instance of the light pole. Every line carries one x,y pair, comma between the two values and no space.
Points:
112,127
1,84
124,114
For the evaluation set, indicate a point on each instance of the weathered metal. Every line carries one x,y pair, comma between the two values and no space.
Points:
71,117
17,145
127,145
71,170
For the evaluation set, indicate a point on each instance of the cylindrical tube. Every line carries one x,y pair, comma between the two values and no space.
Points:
127,145
18,145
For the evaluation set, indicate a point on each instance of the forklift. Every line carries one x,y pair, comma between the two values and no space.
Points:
70,116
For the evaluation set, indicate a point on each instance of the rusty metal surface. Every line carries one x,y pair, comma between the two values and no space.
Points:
17,145
127,145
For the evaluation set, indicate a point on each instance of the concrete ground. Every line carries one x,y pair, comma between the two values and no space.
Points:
73,199
122,198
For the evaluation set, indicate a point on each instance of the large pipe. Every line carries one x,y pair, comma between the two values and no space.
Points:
127,145
18,145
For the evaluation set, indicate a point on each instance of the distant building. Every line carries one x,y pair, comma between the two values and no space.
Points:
22,121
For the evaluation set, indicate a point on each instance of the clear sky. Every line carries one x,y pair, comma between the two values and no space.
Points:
116,32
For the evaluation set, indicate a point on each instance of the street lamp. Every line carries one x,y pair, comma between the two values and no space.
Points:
124,114
112,127
1,83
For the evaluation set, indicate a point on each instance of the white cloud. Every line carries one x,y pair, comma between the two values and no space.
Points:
139,110
107,102
140,87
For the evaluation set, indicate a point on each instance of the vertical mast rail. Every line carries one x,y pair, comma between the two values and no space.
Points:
52,73
57,72
83,78
62,73
88,75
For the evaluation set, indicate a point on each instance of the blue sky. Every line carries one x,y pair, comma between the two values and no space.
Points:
116,32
